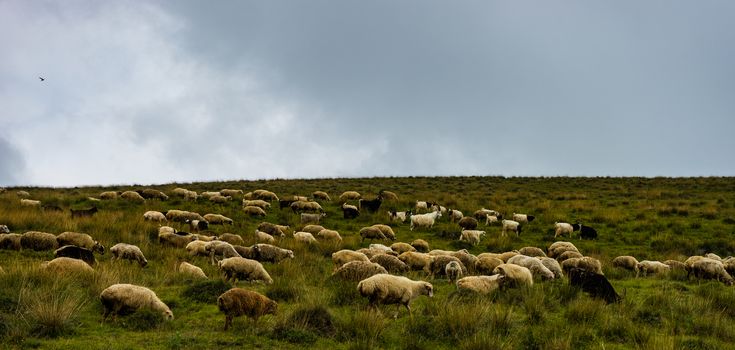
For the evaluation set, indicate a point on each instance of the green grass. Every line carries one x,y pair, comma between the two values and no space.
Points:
649,218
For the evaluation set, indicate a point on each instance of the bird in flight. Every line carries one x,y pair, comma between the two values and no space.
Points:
42,79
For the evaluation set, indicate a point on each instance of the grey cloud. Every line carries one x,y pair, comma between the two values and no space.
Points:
12,164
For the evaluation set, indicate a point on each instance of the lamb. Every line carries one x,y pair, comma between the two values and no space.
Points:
371,233
191,270
108,195
358,270
391,263
471,236
238,302
64,265
534,265
711,269
454,215
510,225
271,253
585,263
344,256
585,232
350,211
230,192
250,270
386,230
417,261
453,270
321,195
516,276
593,283
254,211
439,264
648,266
399,216
372,205
486,264
128,252
74,252
304,237
532,251
420,245
218,219
38,241
523,218
424,220
552,265
256,203
118,299
311,218
562,228
400,247
80,240
626,262
389,289
467,223
231,238
10,241
82,213
30,203
132,196
349,196
219,248
481,284
329,235
153,215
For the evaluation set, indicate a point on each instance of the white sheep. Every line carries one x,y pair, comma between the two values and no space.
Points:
586,263
261,236
626,262
389,289
557,248
330,235
481,284
254,211
454,215
344,256
230,192
424,220
321,195
153,215
417,261
30,203
128,252
220,248
80,240
256,203
197,248
349,195
654,267
304,237
490,219
399,216
513,226
218,219
62,265
236,268
132,196
523,218
401,247
191,270
562,228
118,298
386,230
471,236
307,218
532,264
711,269
552,265
422,205
453,270
515,275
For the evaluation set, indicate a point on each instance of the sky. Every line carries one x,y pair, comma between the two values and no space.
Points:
152,92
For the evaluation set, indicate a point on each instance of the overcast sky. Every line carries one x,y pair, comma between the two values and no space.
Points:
162,91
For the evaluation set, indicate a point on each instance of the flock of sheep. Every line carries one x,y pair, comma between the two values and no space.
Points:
376,269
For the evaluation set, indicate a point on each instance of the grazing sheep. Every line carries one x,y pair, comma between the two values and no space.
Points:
184,193
439,264
350,211
198,225
491,219
149,193
569,254
256,203
391,263
175,240
132,196
532,251
481,284
231,238
273,229
329,235
400,247
388,195
466,258
562,228
311,218
483,213
344,256
308,207
593,283
467,223
490,255
420,245
128,252
515,275
313,229
64,265
399,216
386,230
4,229
534,265
219,199
191,270
270,253
585,263
552,265
217,219
265,195
304,237
422,206
523,218
242,302
510,225
371,205
83,213
10,241
30,203
417,261
424,220
38,241
654,267
197,248
349,196
183,215
321,195
23,194
711,269
254,211
585,232
381,247
108,195
209,194
371,233
453,270
246,252
153,215
236,268
230,192
119,299
80,240
388,289
219,248
678,265
204,238
358,270
471,236
437,252
74,252
626,262
454,215
505,256
557,248
486,264
439,208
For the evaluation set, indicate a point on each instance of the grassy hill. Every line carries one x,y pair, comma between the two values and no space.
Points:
649,218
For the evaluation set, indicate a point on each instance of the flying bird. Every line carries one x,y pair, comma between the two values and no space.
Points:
42,79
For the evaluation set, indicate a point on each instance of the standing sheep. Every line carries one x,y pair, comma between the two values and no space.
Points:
311,218
304,237
401,247
486,264
241,268
128,252
552,265
391,263
585,263
271,253
654,267
562,228
256,203
349,196
453,270
72,251
371,233
242,302
358,270
80,240
231,238
471,236
191,270
329,235
132,196
421,245
389,289
481,284
64,265
711,269
513,226
217,219
219,248
417,261
38,241
254,211
153,215
424,220
10,241
386,230
344,256
532,251
119,299
523,218
321,195
517,276
532,264
626,262
467,223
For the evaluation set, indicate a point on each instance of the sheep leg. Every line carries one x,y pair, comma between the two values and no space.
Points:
228,321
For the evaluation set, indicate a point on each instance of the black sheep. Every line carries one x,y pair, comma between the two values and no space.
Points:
593,283
371,205
285,203
585,232
78,213
350,213
72,251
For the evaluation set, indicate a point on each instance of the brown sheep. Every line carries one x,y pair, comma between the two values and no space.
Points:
238,302
391,263
358,270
